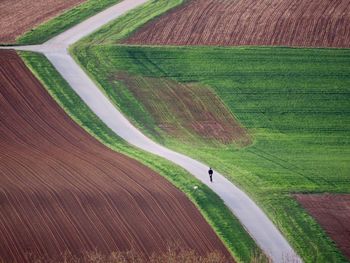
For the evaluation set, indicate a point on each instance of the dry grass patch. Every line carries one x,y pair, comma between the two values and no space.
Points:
185,109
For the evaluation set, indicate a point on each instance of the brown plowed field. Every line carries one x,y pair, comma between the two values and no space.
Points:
60,189
17,17
315,23
332,212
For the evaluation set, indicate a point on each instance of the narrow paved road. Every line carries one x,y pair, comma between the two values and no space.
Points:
251,216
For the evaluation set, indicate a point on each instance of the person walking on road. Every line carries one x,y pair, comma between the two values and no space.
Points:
210,172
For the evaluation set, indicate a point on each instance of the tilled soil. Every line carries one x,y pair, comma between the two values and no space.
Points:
17,17
314,23
60,189
332,212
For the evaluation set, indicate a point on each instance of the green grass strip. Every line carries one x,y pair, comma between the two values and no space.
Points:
130,22
228,228
64,21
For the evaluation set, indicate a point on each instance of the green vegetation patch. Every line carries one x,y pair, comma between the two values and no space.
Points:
294,102
129,22
211,206
62,22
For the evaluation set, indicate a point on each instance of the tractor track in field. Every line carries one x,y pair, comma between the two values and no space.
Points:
260,227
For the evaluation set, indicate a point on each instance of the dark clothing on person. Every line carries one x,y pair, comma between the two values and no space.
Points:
210,174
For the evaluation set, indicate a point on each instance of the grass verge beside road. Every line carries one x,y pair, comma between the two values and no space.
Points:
211,206
64,21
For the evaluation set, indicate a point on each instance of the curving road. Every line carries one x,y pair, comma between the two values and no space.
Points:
264,232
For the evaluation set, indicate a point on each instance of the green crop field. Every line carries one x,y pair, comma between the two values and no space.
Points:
228,228
294,104
64,21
